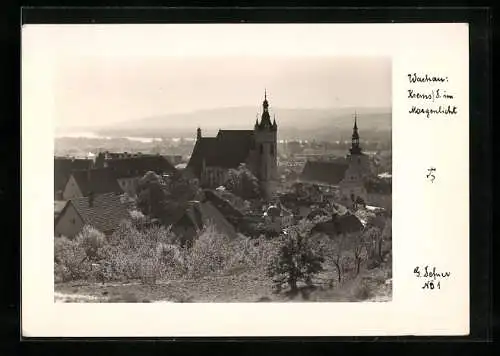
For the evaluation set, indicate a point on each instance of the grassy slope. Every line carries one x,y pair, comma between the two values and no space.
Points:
235,286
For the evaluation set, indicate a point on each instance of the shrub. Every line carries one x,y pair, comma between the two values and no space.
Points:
70,260
211,253
91,241
297,259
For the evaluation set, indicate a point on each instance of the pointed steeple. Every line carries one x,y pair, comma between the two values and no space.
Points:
265,103
355,148
198,133
275,126
265,121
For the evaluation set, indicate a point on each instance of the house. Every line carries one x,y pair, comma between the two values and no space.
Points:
129,168
212,157
339,224
63,167
196,217
97,181
58,207
104,212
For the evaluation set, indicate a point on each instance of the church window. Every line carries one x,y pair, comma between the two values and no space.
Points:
261,149
359,160
272,150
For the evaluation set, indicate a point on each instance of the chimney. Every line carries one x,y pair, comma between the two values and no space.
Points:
91,199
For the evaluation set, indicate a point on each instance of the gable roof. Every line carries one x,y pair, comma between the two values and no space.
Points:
339,224
228,149
330,172
64,166
97,181
138,165
200,214
105,214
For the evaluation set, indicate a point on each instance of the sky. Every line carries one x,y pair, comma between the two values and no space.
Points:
107,76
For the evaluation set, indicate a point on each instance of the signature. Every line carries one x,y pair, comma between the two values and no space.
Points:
432,275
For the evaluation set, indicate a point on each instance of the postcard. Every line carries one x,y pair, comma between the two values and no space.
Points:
245,180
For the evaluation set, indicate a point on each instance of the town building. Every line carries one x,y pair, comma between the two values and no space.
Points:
82,183
347,174
352,187
129,168
63,166
212,157
104,212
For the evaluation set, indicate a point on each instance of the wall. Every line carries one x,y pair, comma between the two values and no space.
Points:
71,190
213,177
69,224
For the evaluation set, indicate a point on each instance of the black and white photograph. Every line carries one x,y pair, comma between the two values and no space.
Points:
222,179
231,180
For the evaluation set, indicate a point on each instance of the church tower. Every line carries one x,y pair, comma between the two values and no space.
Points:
355,148
353,183
265,133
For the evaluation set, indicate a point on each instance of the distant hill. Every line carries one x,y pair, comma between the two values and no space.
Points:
291,122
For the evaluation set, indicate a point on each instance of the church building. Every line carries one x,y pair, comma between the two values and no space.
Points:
212,157
358,169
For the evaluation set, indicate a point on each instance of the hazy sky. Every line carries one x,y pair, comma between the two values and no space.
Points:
108,90
107,74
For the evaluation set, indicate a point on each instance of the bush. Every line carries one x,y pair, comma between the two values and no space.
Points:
70,260
211,253
91,241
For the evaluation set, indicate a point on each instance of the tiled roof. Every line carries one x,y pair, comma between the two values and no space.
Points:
138,165
105,214
63,168
200,214
330,172
228,149
339,224
97,181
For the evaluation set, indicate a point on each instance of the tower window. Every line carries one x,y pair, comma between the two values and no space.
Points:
272,150
261,149
359,160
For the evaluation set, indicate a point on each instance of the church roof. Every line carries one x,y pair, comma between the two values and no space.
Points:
330,172
228,149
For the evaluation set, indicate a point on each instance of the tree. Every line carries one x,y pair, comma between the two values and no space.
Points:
334,249
151,197
374,241
162,198
297,259
243,183
359,248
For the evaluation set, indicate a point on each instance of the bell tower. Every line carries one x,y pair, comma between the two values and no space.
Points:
355,148
265,133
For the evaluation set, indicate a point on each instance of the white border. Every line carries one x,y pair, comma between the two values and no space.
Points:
430,221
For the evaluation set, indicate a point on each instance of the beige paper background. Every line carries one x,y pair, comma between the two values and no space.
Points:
430,220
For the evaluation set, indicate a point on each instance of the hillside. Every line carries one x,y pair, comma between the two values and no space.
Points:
292,122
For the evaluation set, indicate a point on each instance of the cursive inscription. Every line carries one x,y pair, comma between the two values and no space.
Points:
421,97
432,277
